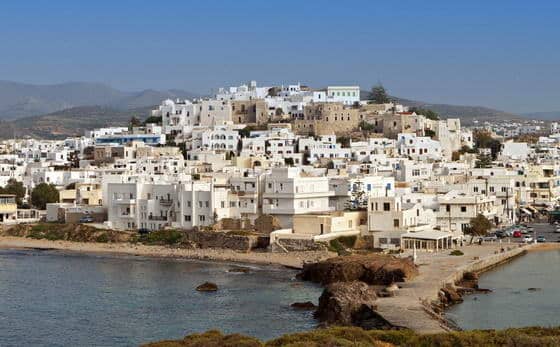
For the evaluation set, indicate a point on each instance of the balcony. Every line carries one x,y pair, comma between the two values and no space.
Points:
127,215
157,218
166,202
125,201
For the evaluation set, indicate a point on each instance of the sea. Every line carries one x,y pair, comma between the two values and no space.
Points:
525,292
55,298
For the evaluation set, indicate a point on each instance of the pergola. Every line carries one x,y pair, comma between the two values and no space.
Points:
429,240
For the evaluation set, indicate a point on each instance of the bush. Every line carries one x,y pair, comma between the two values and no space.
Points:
103,238
356,337
162,237
348,241
336,246
456,252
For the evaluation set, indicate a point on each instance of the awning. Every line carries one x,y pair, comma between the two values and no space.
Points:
427,235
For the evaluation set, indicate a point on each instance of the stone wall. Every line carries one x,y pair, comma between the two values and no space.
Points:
235,240
296,245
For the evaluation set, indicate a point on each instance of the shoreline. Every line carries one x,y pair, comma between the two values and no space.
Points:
413,305
293,260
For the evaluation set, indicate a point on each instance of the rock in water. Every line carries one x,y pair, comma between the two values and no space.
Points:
207,287
239,269
307,305
342,303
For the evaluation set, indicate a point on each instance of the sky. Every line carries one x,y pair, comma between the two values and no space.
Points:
501,54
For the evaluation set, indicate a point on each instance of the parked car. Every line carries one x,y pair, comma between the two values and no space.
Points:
501,233
527,239
517,234
557,230
86,219
530,229
541,239
490,238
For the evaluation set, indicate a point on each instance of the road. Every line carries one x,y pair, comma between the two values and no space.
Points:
540,229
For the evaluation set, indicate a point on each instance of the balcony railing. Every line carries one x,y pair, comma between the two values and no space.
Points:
160,218
166,202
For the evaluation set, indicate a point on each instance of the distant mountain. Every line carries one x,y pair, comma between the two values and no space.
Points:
552,115
19,100
466,113
70,122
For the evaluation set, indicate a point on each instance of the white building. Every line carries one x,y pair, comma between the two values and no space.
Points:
287,191
348,95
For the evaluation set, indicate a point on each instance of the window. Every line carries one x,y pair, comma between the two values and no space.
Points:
463,208
396,223
202,218
447,208
386,206
187,218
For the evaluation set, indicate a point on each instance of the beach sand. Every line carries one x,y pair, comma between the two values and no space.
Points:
293,259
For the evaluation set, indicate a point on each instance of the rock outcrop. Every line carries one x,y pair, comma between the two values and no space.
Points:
307,305
207,287
375,269
346,303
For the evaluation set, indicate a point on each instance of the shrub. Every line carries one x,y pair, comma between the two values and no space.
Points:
162,237
103,238
456,252
348,241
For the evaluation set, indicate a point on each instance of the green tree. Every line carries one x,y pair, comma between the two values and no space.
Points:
183,149
365,126
16,188
484,139
274,91
433,115
379,95
44,194
134,122
483,162
429,133
479,226
153,119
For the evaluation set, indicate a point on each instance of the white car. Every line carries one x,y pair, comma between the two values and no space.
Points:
527,239
557,230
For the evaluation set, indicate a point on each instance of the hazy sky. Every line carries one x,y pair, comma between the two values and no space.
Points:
503,54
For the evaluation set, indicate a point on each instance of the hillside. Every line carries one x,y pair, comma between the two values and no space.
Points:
70,122
552,115
466,113
19,100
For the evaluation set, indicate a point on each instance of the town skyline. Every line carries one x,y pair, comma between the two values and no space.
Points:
431,52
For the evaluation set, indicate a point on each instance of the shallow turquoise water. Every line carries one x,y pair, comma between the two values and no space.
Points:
50,298
512,304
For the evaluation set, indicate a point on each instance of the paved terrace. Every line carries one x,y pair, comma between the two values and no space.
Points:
406,308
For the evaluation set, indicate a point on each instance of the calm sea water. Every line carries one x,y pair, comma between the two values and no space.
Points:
512,304
50,298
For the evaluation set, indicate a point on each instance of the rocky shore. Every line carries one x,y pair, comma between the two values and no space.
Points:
353,285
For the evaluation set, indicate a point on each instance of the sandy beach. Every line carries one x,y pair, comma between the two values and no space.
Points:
293,259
